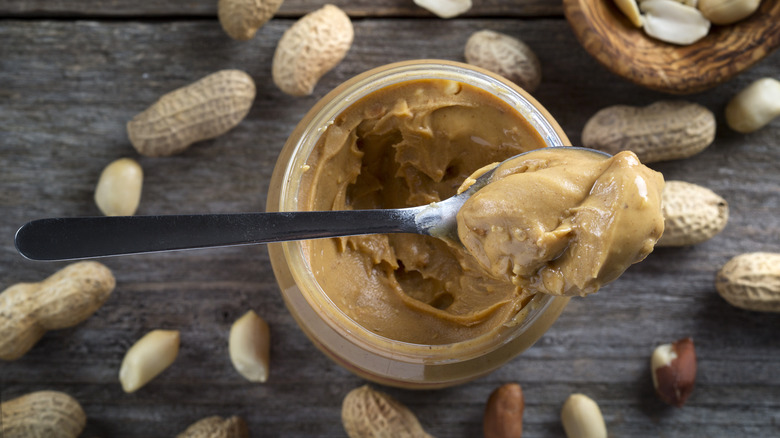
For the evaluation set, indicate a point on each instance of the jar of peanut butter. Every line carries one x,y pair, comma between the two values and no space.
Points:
406,310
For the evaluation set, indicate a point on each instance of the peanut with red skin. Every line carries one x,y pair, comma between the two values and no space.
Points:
504,412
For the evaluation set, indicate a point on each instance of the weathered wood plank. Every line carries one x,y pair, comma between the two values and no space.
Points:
66,91
290,8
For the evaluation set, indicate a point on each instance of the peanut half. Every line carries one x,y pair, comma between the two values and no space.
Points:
445,8
692,214
66,298
310,48
727,11
504,412
216,427
118,191
49,414
242,18
581,418
249,347
202,110
755,106
147,358
506,56
366,413
630,9
666,130
673,21
751,281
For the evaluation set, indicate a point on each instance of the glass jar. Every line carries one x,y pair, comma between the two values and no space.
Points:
365,353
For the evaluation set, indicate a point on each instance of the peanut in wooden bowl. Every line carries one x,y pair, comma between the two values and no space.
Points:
627,51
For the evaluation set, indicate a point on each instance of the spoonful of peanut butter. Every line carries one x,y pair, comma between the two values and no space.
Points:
561,220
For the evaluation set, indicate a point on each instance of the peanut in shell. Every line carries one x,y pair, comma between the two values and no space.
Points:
751,281
202,110
662,131
692,214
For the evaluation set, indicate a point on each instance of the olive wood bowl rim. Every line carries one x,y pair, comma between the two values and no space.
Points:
628,52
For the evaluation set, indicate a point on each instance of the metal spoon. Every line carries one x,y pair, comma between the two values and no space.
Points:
88,237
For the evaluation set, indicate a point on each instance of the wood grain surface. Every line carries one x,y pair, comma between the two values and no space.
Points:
70,80
290,8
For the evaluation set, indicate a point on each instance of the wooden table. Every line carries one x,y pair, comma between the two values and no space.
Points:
73,73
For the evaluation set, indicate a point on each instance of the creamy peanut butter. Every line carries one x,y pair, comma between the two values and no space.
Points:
411,144
564,221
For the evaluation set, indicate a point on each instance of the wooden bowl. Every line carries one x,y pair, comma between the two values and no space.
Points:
627,51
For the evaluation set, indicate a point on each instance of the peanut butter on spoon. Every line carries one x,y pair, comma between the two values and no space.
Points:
563,221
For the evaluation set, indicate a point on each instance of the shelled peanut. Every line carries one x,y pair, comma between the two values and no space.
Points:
118,190
503,417
755,106
66,298
684,22
581,418
147,358
673,368
445,8
727,11
249,347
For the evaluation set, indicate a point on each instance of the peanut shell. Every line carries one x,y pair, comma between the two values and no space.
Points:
202,110
666,130
310,48
692,214
216,427
66,298
506,56
242,18
49,414
368,413
751,281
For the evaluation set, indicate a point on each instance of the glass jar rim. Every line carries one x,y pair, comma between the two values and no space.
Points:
306,136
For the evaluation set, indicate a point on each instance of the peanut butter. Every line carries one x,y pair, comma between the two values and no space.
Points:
564,221
411,144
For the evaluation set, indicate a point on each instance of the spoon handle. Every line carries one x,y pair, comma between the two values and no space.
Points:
87,237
